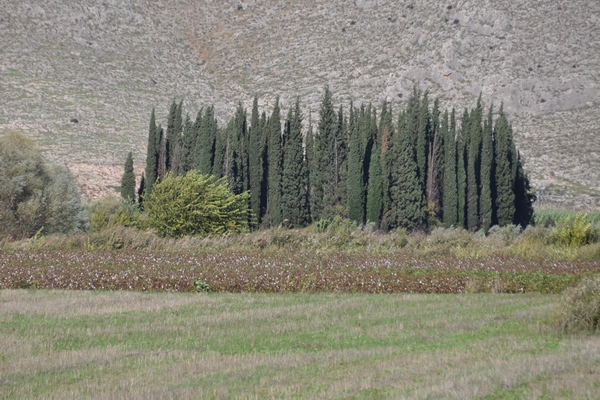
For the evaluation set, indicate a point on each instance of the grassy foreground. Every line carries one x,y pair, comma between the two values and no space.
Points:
82,344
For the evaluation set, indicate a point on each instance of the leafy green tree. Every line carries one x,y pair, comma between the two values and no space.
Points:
35,195
295,202
128,180
195,204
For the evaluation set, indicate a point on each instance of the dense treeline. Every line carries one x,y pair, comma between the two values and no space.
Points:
420,168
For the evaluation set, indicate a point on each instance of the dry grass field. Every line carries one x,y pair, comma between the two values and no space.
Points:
80,344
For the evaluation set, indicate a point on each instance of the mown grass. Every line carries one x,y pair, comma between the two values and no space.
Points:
56,344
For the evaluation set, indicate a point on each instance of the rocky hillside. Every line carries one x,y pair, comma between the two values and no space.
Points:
105,63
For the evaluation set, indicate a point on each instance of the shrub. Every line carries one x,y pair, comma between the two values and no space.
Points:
574,232
579,311
508,234
195,204
110,211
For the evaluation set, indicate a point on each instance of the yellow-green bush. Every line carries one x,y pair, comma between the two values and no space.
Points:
574,232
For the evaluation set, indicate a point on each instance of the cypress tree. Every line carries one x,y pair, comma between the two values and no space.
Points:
255,160
128,180
375,186
188,144
236,163
356,189
461,169
219,153
505,170
295,207
324,192
140,192
450,194
340,155
435,165
152,154
406,194
170,135
423,140
473,167
162,154
273,216
387,158
524,199
487,166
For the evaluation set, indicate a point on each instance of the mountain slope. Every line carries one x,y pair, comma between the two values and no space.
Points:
107,63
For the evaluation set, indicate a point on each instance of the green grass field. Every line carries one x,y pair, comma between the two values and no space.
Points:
80,344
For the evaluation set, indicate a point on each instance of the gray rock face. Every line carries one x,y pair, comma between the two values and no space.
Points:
108,62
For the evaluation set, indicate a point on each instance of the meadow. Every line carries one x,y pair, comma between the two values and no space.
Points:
97,344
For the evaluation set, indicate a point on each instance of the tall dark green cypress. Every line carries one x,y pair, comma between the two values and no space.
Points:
236,161
375,182
324,192
151,155
140,192
435,166
473,167
524,199
161,169
273,216
487,168
294,199
406,194
462,146
128,180
340,156
187,148
388,156
355,182
506,170
423,140
450,194
255,160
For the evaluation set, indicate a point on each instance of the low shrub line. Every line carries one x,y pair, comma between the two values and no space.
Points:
284,272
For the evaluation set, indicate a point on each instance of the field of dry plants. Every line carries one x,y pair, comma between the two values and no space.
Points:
83,344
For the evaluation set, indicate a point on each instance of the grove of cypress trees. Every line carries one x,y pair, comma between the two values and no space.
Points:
128,180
